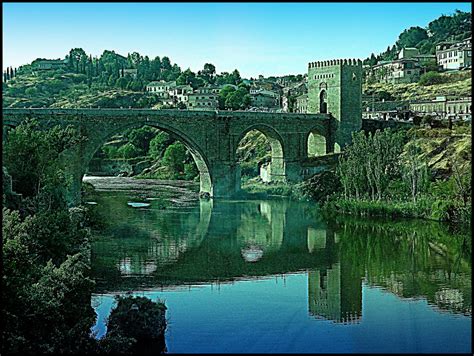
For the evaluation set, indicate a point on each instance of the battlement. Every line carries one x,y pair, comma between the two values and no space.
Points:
335,62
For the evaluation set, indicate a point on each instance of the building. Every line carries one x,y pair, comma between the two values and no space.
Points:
335,88
301,104
130,71
385,110
414,53
202,99
288,102
444,108
262,98
407,68
49,64
160,88
180,93
455,55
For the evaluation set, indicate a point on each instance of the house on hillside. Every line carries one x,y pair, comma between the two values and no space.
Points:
49,64
262,98
132,72
455,55
407,68
202,99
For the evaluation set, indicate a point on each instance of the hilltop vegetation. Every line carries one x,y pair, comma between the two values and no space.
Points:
453,27
104,82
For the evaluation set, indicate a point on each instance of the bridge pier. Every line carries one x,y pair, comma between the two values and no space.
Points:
225,179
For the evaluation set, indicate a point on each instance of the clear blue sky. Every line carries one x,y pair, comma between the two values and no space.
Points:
263,38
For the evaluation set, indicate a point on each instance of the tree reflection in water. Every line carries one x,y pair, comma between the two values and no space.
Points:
220,241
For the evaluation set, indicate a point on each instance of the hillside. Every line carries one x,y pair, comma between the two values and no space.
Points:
457,84
59,89
443,148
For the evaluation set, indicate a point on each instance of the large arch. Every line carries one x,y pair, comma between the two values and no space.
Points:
275,171
97,141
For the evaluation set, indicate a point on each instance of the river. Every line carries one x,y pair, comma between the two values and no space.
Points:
274,276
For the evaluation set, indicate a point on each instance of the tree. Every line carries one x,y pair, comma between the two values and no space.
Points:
412,37
142,137
158,145
431,78
186,78
415,171
238,99
77,58
175,156
129,150
32,158
208,73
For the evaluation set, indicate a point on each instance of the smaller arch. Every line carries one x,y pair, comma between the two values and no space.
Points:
323,105
275,169
316,142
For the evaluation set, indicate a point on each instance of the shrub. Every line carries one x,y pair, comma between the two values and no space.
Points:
129,151
431,78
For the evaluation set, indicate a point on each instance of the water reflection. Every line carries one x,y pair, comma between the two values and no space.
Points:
226,240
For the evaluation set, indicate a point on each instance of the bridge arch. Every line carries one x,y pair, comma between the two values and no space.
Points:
202,163
318,141
276,168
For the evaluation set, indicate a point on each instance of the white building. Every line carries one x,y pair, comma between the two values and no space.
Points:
455,55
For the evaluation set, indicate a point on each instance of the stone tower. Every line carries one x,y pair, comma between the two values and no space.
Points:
335,87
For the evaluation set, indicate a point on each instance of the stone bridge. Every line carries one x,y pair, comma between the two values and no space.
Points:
333,104
212,137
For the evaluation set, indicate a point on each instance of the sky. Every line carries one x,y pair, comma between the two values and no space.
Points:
255,38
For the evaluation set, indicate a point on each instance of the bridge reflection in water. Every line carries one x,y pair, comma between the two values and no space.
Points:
224,241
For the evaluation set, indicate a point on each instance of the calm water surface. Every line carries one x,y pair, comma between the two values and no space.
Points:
272,276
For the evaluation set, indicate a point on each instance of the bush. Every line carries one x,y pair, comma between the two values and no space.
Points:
129,151
135,324
320,186
431,78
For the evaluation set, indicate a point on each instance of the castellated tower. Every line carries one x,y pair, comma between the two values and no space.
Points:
335,87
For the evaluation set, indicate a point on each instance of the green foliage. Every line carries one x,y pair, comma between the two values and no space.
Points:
367,166
135,325
431,78
175,156
46,288
32,158
447,27
411,37
158,145
406,187
138,318
415,170
129,150
141,137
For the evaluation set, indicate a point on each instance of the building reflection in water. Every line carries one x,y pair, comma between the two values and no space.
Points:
334,295
221,242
